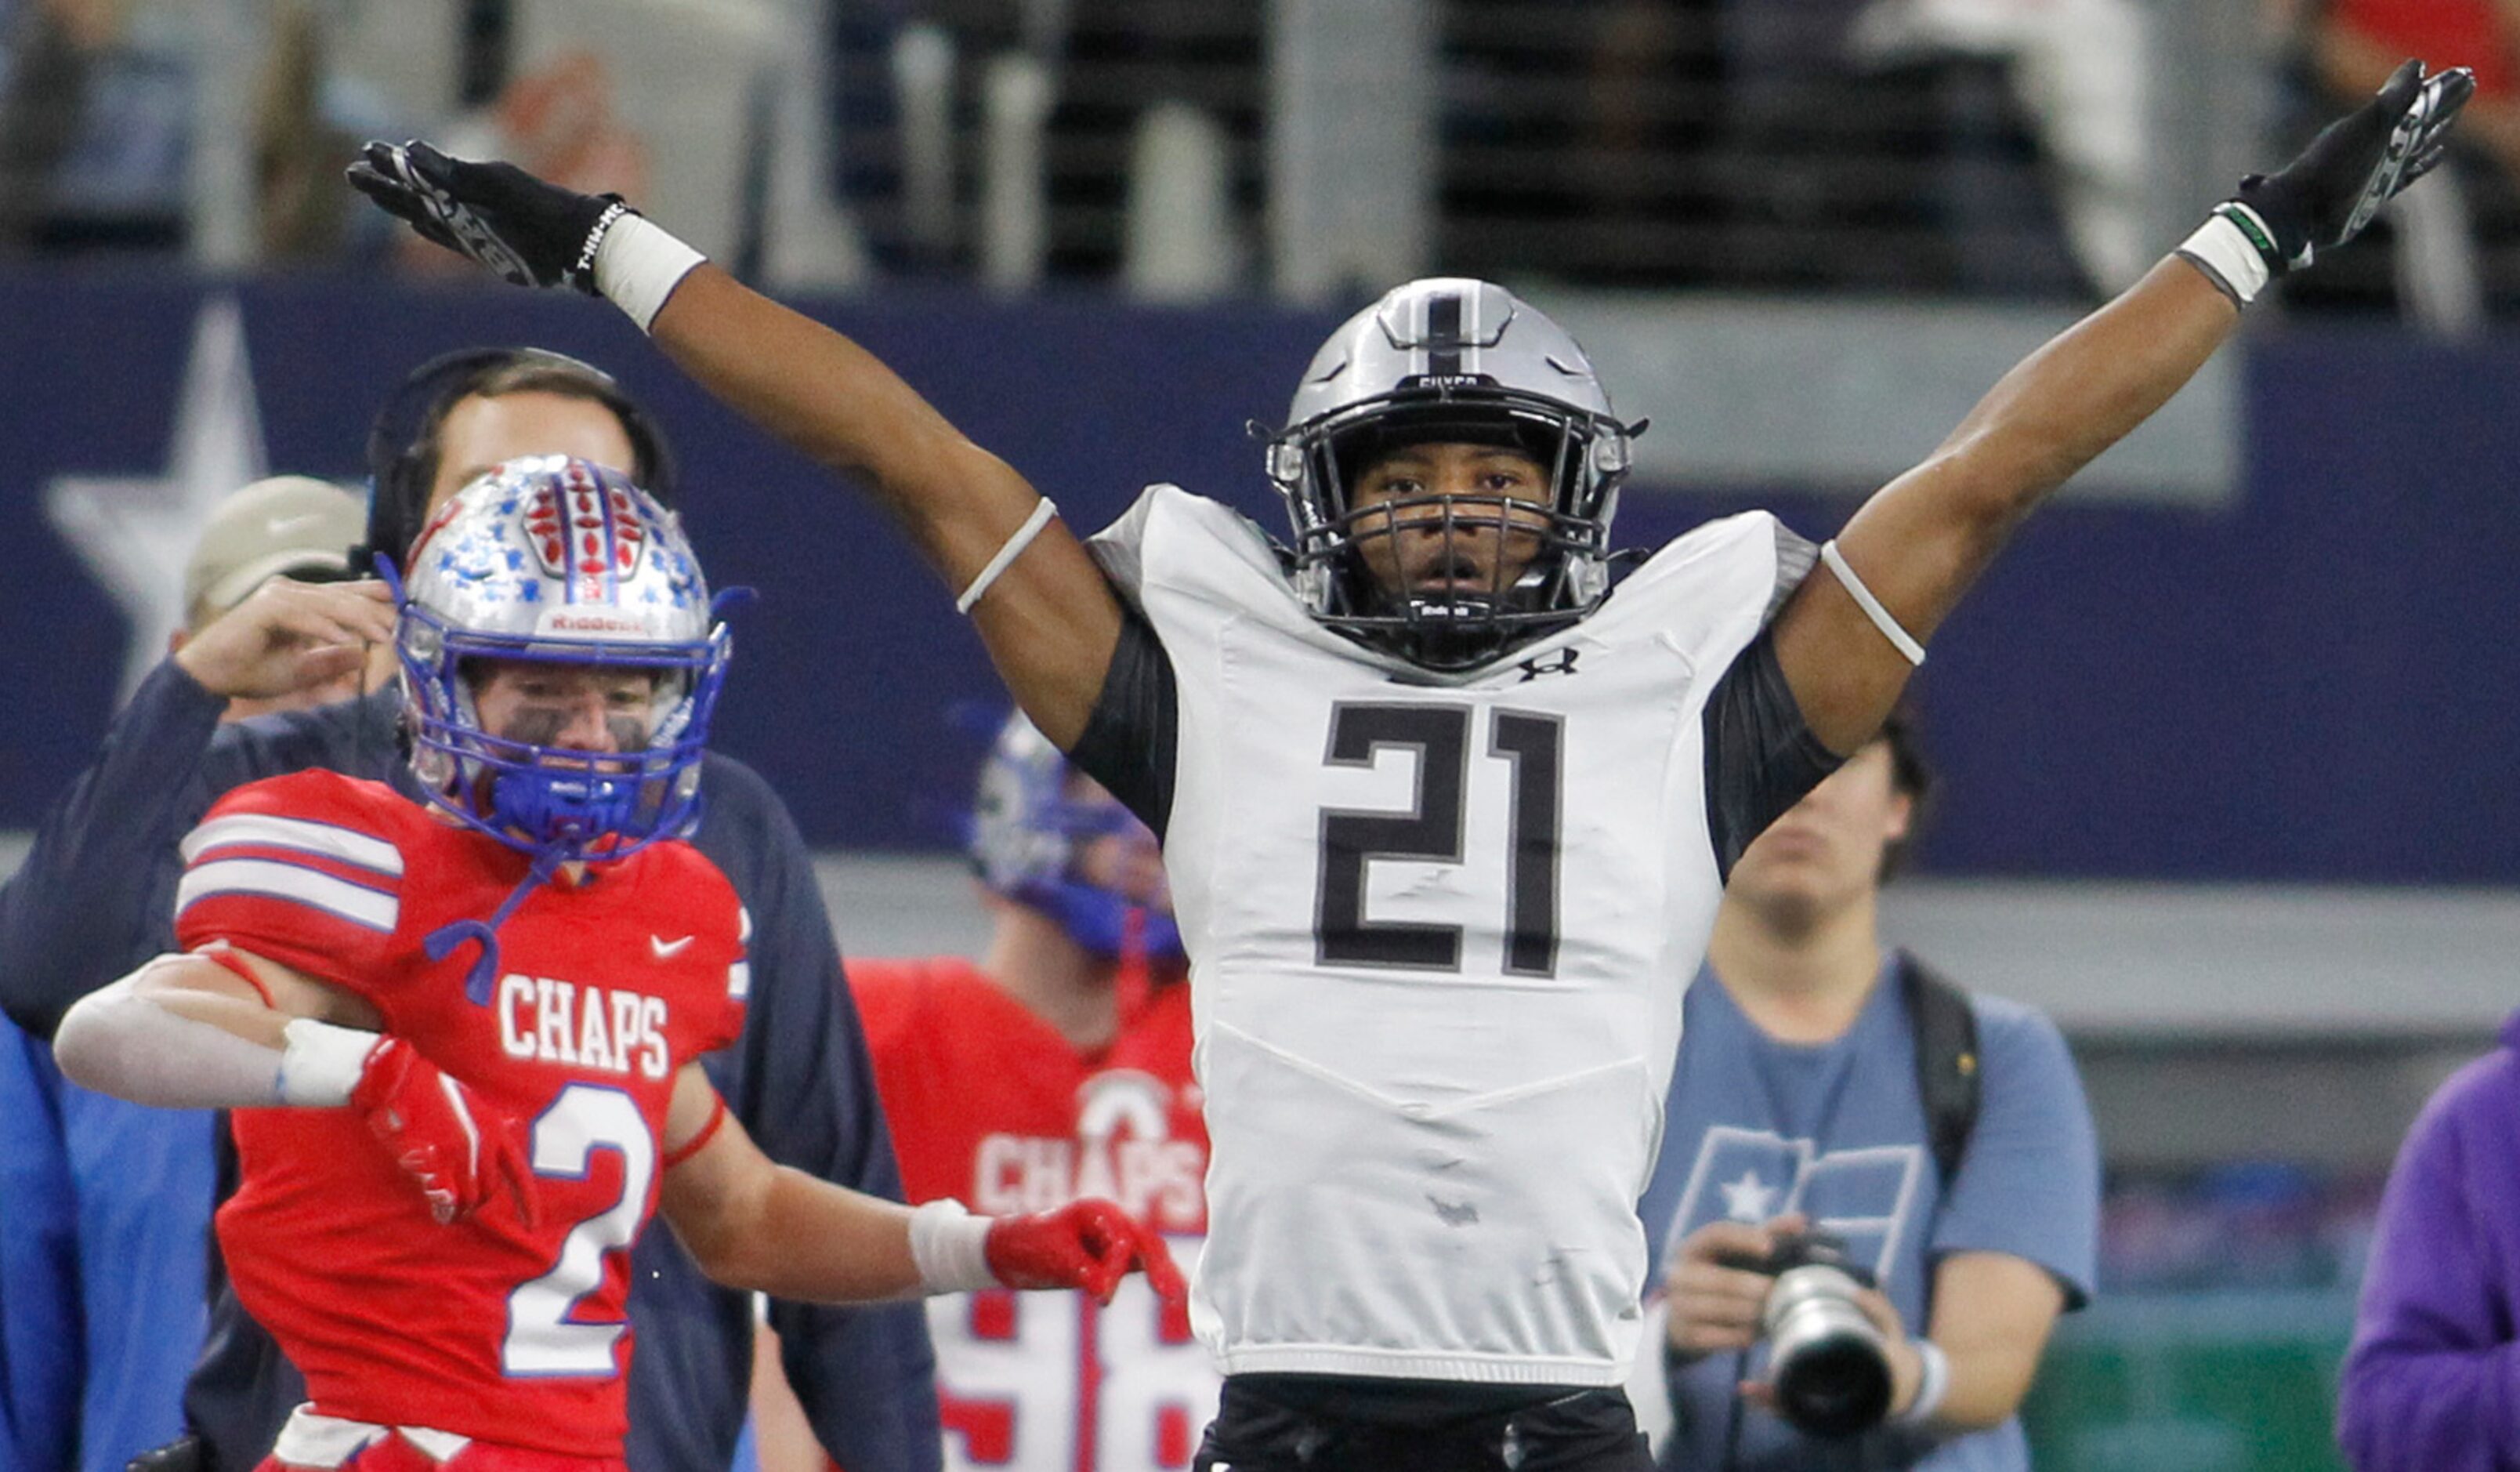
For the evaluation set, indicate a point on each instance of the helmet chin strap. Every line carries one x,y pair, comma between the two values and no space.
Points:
441,941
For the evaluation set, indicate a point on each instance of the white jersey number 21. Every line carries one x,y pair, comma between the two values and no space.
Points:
1431,833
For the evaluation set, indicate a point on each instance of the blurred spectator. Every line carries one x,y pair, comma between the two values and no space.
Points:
2429,1382
1170,97
558,119
2076,71
298,150
1879,144
1826,1084
2357,43
95,125
101,1241
2445,236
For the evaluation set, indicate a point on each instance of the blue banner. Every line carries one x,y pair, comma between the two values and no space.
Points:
2318,683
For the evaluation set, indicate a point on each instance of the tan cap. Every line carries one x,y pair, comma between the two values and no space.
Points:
285,524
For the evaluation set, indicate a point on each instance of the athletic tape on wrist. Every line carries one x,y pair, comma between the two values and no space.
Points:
951,1247
322,1063
1042,512
1933,1383
2232,255
1898,637
638,265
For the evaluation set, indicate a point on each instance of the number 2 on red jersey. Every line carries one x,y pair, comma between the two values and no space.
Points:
541,1339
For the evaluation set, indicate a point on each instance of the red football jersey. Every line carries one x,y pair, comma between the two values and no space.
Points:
989,1105
607,987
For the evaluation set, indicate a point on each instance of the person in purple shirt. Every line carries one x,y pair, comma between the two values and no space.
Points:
2432,1381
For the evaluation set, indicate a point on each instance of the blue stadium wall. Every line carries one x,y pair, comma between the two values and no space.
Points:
2319,682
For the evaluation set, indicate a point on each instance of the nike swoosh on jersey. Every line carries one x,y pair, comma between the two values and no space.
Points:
666,950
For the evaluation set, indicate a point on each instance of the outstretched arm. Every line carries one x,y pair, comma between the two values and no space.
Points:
778,1231
219,1027
1049,620
1920,542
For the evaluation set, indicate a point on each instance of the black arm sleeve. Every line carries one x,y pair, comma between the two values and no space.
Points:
1760,756
1131,738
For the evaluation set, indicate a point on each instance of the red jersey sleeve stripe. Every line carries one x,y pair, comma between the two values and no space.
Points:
313,888
365,879
330,840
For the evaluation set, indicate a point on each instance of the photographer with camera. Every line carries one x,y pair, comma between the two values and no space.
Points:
1877,1191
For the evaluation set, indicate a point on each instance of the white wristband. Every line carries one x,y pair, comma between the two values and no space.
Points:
322,1063
951,1247
1872,606
1041,510
2224,251
638,265
1933,1383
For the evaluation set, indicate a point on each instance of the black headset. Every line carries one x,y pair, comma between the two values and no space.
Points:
402,443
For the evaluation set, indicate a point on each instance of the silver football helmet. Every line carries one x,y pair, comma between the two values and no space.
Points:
1449,361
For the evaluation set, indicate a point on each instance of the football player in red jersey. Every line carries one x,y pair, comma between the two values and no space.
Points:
451,1128
1055,1067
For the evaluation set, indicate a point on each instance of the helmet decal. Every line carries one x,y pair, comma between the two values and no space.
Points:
550,560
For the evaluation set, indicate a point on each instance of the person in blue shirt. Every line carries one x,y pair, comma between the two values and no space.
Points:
95,897
1797,1106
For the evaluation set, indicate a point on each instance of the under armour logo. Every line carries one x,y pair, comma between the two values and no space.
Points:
1532,668
666,950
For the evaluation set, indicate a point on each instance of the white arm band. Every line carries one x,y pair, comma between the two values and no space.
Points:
951,1247
1933,1383
638,265
2224,248
119,1042
1041,510
323,1063
1872,606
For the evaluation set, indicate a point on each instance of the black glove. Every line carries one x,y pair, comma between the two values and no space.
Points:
2357,163
529,232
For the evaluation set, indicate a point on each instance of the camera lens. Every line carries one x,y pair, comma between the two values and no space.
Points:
1828,1363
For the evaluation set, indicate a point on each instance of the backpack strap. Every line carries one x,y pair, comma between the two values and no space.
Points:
1947,1061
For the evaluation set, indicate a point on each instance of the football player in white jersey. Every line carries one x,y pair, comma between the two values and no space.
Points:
1445,807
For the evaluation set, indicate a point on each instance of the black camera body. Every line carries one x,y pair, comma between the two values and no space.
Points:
1831,1368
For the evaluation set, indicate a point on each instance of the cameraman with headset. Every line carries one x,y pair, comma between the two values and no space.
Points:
1842,1119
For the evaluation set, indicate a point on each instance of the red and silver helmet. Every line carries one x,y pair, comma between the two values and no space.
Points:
559,561
1449,359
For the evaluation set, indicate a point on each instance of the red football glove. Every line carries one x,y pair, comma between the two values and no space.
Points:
462,1151
1089,1244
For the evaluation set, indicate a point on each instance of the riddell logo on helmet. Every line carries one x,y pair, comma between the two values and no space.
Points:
593,623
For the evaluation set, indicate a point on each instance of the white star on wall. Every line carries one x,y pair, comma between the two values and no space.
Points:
1749,1199
134,532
